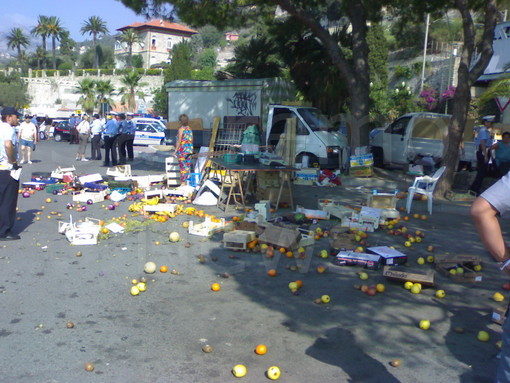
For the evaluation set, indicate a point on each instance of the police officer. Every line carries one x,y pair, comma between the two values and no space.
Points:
110,134
131,131
483,143
122,138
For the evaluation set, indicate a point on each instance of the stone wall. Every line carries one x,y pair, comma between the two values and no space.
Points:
60,92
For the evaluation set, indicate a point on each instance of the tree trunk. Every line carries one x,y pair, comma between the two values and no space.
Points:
54,51
359,84
466,79
130,56
96,63
44,50
357,75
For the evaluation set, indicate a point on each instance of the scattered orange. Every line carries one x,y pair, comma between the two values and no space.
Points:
299,283
271,272
282,250
406,218
215,287
261,349
235,218
253,243
163,269
101,223
424,217
289,254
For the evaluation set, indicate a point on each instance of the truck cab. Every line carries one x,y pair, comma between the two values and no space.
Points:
316,139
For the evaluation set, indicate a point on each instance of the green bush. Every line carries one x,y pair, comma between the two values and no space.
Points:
403,72
107,72
140,71
91,71
50,72
154,72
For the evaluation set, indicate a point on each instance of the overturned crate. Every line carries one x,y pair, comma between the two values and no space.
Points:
467,267
238,239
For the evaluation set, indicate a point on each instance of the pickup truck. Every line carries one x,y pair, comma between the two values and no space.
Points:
414,136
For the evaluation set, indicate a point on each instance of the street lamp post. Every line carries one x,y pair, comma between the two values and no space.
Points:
425,51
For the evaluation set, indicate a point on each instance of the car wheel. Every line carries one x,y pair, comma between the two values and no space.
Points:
313,161
57,137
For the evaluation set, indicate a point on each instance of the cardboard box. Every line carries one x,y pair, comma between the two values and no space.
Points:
268,180
307,176
498,315
397,273
351,258
361,160
388,255
444,263
361,171
271,194
280,237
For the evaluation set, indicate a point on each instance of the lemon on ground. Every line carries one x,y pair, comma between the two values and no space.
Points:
415,289
408,285
239,370
483,336
498,297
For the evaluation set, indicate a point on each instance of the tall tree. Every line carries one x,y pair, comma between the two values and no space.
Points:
16,39
467,76
41,30
256,59
94,26
180,67
87,100
353,70
55,30
129,37
130,91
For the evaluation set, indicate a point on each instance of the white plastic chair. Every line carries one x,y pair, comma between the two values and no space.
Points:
424,185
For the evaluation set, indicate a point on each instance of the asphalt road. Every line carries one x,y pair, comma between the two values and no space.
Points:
158,335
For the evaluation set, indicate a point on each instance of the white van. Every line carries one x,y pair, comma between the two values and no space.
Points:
316,139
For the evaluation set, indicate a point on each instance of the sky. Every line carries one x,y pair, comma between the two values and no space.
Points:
72,14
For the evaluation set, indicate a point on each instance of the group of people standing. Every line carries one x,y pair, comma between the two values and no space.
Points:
493,157
118,134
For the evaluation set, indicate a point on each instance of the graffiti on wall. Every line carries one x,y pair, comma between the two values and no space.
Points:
244,102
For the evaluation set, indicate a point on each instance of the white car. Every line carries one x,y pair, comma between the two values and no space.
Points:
150,131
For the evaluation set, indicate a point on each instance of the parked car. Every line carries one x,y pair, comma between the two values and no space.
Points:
150,131
61,131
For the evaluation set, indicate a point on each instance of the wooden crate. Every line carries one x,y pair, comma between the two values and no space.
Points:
280,237
238,239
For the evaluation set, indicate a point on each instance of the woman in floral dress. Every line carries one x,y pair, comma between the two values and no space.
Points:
184,147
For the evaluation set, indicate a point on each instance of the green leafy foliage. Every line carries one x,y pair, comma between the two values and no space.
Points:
14,91
180,67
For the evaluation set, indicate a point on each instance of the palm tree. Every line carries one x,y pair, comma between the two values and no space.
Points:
86,88
104,91
498,88
94,26
41,29
130,37
55,30
16,39
131,82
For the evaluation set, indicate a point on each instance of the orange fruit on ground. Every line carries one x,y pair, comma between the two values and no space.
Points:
271,272
282,250
261,349
424,217
235,218
101,223
215,287
289,254
416,216
406,218
163,269
299,283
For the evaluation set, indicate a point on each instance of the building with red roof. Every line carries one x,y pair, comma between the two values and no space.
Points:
157,37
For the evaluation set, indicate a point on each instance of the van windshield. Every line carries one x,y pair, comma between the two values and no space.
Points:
315,119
